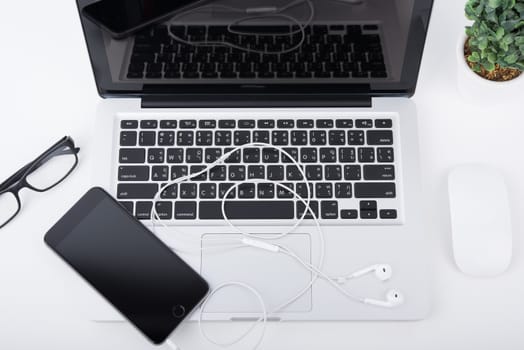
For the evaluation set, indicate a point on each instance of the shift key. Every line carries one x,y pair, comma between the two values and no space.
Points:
136,191
375,190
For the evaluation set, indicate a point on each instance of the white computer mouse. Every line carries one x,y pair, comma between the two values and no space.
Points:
480,220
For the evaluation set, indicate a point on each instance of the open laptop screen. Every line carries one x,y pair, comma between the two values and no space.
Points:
367,47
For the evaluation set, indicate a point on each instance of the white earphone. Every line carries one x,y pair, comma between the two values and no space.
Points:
382,272
393,298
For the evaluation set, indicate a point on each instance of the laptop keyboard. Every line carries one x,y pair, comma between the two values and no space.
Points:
329,51
350,163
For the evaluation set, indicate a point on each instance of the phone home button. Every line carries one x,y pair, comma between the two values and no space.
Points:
179,311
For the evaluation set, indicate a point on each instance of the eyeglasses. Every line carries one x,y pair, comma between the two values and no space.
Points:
40,175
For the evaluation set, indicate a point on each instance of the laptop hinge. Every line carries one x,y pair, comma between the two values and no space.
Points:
255,100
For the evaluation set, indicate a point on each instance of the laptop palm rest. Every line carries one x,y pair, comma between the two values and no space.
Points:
275,276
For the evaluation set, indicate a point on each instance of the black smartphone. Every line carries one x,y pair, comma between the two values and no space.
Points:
135,271
122,18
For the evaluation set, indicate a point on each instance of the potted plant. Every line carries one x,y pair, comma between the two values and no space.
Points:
491,53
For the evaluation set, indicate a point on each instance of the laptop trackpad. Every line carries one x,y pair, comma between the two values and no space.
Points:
276,276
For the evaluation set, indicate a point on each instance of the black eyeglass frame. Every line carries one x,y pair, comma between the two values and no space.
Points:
18,180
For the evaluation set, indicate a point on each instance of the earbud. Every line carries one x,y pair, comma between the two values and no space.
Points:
382,271
393,298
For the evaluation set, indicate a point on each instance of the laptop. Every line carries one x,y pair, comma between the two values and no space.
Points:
338,103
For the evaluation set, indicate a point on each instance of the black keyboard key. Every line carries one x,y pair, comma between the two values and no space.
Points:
170,192
207,191
188,124
246,124
383,123
133,173
224,187
299,138
352,172
333,172
329,209
129,206
317,138
128,138
286,124
280,138
185,210
375,190
155,155
379,137
207,124
265,190
347,155
226,124
328,155
283,192
247,210
129,124
344,123
168,124
324,190
337,137
212,154
261,136
132,155
246,190
175,155
293,174
194,155
196,169
291,151
218,173
302,190
324,123
148,124
368,214
308,155
188,190
305,123
266,124
368,205
223,138
143,210
270,155
379,172
237,172
233,157
204,138
385,155
313,205
314,172
355,137
343,190
251,155
256,172
136,191
178,171
159,173
242,137
364,123
366,155
348,214
185,138
166,138
147,138
164,210
275,172
388,214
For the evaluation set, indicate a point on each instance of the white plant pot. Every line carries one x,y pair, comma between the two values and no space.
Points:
478,90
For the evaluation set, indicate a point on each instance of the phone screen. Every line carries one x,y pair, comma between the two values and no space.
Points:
127,264
122,17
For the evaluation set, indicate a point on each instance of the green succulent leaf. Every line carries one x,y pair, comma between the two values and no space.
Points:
494,3
489,66
511,58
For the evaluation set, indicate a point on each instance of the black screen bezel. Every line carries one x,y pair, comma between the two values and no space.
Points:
83,208
404,87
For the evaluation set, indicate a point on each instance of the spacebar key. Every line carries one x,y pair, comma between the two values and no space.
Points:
247,210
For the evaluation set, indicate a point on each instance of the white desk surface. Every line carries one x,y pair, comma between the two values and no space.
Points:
49,92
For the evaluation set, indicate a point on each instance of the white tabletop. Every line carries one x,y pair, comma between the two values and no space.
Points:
49,92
